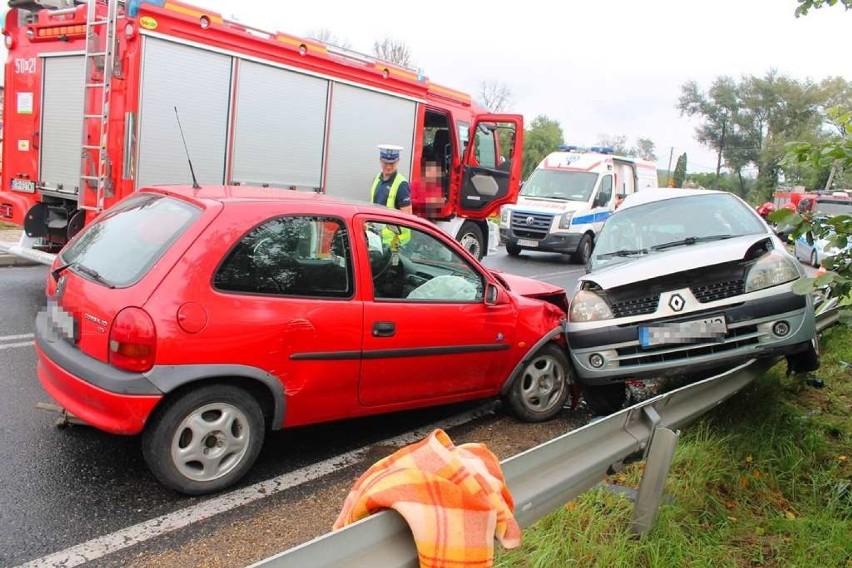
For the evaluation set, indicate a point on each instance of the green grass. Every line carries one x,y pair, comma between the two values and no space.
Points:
763,480
4,226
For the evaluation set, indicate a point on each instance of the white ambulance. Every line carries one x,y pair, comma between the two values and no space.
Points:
565,201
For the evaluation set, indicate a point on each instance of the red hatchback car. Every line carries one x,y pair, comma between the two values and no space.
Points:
202,318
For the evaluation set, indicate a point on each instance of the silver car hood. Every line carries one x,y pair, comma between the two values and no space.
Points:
678,259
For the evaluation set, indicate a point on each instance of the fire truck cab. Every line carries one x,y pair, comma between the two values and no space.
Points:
105,97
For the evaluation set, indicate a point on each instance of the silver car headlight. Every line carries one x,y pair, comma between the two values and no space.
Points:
565,220
588,306
770,270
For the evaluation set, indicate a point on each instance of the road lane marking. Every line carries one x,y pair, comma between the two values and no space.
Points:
11,345
16,337
560,273
127,537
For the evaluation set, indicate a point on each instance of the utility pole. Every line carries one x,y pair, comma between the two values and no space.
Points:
669,170
831,176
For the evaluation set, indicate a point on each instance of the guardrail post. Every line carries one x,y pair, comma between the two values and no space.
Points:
659,461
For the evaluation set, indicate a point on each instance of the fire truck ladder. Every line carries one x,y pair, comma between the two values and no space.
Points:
95,179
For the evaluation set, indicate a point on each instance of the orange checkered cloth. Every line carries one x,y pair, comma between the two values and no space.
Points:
454,499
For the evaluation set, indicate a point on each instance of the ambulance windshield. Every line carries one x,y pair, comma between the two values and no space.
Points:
560,184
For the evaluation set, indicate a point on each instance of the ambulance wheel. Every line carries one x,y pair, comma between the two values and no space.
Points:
513,250
584,250
204,440
539,392
471,239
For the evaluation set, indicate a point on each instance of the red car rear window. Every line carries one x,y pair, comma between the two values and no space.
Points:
123,244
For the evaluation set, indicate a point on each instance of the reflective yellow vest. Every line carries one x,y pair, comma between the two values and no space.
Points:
387,234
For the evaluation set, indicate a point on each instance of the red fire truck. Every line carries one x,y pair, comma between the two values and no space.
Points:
819,201
104,97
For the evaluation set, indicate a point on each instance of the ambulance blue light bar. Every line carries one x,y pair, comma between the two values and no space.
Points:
596,149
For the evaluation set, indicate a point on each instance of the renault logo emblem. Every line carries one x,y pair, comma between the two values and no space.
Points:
530,221
676,302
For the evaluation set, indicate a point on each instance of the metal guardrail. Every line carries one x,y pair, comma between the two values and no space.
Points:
546,477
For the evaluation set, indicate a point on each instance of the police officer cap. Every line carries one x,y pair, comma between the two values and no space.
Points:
389,153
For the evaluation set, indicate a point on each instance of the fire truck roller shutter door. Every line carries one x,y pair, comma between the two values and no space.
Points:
361,120
280,127
61,123
198,83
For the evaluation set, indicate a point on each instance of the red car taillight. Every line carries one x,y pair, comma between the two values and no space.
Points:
132,341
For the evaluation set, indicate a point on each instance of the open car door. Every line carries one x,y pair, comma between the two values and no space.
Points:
492,164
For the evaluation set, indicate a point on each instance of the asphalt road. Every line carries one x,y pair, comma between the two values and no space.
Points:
63,487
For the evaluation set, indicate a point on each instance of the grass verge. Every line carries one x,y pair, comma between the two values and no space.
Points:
763,480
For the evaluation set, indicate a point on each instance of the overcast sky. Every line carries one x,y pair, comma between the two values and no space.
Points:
598,66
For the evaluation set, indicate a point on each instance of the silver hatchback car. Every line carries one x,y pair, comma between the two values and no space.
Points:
682,282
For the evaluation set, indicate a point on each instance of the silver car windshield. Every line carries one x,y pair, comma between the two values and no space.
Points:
563,185
667,224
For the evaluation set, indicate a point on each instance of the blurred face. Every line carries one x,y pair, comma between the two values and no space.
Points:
388,169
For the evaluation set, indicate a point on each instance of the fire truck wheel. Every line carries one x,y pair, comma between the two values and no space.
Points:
471,239
539,392
584,250
204,440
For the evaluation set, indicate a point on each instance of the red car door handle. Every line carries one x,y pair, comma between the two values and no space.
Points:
384,329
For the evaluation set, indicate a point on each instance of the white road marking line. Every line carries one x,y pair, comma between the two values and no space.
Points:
124,538
16,337
11,345
555,274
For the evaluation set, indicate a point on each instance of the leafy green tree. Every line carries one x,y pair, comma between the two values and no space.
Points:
775,110
734,182
838,154
542,137
718,108
806,5
680,171
748,122
645,149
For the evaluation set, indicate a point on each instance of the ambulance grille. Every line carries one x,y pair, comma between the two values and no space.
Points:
527,225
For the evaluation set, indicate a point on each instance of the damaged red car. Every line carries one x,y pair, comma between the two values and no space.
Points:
200,319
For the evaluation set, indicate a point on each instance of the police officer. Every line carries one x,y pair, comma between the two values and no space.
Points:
390,188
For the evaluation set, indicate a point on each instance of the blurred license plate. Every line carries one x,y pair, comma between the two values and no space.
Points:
25,185
695,331
526,243
61,322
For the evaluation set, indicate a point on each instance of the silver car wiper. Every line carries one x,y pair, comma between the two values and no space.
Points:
691,241
623,252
